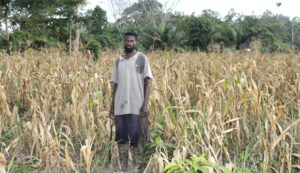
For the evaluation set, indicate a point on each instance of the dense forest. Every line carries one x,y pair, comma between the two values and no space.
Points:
37,24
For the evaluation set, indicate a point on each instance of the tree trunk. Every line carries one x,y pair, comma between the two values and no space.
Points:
70,38
6,29
9,44
77,38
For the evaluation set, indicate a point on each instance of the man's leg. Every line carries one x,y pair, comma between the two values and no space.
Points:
122,140
133,129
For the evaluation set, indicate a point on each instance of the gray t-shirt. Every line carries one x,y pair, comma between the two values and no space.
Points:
129,74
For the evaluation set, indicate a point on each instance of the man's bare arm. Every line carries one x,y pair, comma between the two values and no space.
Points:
112,108
144,108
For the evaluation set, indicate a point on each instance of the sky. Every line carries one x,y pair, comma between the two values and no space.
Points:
245,7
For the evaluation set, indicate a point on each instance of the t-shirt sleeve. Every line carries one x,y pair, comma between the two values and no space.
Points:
147,69
114,75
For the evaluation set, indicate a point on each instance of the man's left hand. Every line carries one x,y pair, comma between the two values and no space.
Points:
143,111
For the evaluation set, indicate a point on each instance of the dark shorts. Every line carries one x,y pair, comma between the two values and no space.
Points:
127,129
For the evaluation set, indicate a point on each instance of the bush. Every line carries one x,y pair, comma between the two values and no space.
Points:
94,47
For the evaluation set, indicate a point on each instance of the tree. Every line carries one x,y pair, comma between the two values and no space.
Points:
150,10
5,6
274,32
199,30
246,30
46,20
5,10
118,6
39,23
95,25
69,10
95,21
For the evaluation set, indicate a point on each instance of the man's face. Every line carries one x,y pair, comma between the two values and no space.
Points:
129,43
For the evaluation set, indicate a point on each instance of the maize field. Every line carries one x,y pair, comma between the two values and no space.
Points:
231,112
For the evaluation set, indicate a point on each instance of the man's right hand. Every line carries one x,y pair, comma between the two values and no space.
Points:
111,114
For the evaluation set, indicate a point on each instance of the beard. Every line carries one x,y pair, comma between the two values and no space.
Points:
129,49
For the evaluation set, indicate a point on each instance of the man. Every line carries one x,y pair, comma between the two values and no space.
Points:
131,88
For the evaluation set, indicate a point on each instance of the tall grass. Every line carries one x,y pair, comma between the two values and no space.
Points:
236,110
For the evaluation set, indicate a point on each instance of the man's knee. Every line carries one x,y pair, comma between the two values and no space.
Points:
134,130
121,132
121,139
134,141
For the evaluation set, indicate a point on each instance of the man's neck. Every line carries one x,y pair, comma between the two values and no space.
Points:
128,55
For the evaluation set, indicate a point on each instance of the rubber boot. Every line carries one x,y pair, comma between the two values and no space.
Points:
138,160
123,156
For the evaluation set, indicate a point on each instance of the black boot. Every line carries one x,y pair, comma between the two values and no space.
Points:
138,160
123,156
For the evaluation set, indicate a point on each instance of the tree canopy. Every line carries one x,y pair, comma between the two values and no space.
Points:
59,23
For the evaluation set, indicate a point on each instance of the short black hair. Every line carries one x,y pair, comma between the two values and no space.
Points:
131,33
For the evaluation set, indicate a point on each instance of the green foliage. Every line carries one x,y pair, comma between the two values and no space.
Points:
224,33
94,47
95,21
23,166
95,24
173,38
141,11
20,40
246,30
5,9
199,30
45,22
3,42
39,24
39,43
194,165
